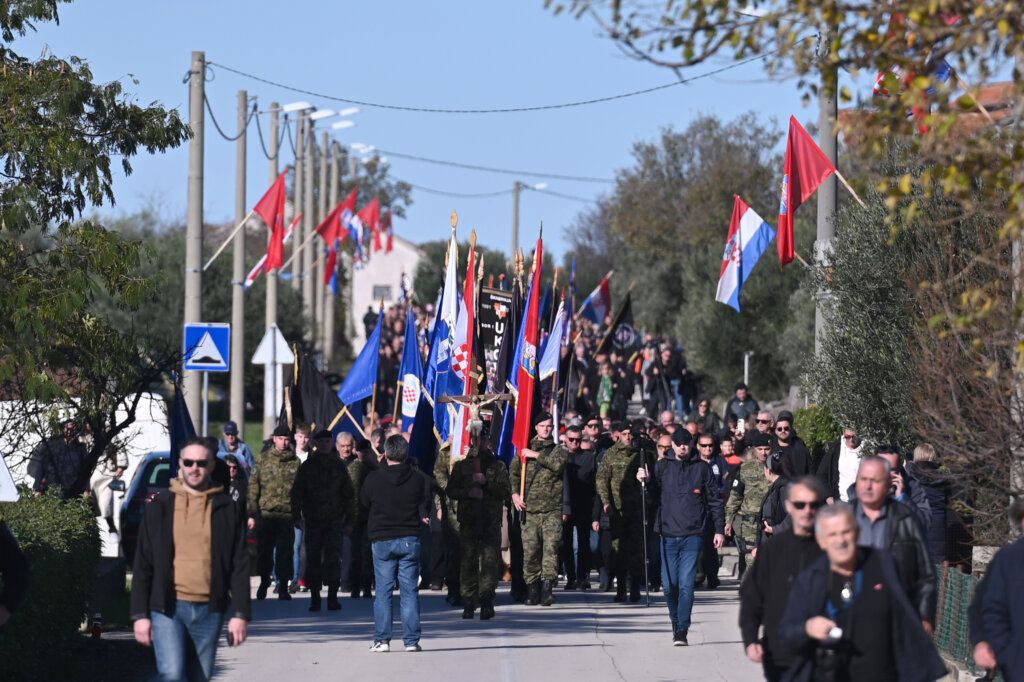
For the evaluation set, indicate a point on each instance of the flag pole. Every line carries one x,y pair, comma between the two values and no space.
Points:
850,189
337,418
299,248
228,240
362,432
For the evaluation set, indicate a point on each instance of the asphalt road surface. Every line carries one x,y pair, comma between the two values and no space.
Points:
585,636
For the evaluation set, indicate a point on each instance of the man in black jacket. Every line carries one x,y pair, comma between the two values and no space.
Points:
1000,642
765,588
688,493
790,445
398,503
579,491
191,567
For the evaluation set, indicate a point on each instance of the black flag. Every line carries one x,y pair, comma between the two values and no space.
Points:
504,369
621,337
310,399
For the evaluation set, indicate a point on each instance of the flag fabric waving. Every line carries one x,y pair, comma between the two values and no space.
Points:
806,168
369,216
271,209
597,306
749,237
261,264
552,353
410,374
389,230
526,365
362,378
334,230
443,348
464,361
622,336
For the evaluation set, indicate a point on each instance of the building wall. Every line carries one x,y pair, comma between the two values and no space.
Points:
381,276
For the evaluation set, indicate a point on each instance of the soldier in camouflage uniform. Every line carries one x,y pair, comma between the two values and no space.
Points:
270,490
542,502
743,511
449,527
622,500
324,503
479,484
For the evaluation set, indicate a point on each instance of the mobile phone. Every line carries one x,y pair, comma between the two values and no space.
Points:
741,424
230,637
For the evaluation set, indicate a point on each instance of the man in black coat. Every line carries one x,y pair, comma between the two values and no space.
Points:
579,491
1002,608
765,588
790,445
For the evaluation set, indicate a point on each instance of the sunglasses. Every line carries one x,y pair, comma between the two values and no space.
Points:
849,437
780,429
816,505
664,447
764,421
592,425
573,440
188,463
705,445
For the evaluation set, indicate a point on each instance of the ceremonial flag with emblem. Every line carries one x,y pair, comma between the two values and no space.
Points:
553,344
806,168
597,306
443,346
334,230
410,373
465,364
309,398
622,337
749,237
526,358
362,378
261,264
501,422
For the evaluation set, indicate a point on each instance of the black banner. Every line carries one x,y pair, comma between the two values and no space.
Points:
495,306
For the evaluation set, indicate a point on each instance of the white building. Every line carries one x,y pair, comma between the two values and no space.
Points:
380,278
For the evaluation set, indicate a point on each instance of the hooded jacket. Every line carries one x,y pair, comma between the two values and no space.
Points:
397,499
688,495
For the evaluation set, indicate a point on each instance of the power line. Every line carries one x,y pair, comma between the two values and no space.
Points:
488,195
506,110
216,125
506,171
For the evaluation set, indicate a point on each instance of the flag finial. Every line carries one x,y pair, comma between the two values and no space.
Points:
455,220
472,240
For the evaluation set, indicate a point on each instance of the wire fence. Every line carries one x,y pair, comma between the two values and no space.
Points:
952,631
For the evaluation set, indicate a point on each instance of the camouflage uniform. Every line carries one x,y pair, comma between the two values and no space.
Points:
270,489
450,525
542,530
323,498
743,510
619,489
479,521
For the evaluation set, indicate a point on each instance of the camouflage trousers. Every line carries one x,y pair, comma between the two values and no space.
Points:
749,534
480,560
542,540
276,535
323,553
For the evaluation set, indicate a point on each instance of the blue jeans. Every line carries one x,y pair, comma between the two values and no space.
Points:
678,570
397,559
186,642
680,411
299,562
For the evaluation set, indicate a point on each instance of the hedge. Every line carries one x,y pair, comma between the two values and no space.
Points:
62,543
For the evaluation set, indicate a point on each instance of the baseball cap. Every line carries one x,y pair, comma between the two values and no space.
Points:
231,428
682,437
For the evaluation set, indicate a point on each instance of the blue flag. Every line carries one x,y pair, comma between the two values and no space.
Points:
362,378
410,373
182,427
442,348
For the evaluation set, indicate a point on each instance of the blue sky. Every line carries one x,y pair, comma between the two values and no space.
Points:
457,54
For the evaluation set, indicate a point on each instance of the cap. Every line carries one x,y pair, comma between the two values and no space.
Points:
542,417
281,431
760,440
231,428
682,437
785,416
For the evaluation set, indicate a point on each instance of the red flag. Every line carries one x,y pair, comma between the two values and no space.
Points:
464,354
806,168
527,370
271,209
330,228
370,217
389,231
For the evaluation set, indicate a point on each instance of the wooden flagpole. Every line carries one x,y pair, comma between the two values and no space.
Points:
299,248
850,189
228,240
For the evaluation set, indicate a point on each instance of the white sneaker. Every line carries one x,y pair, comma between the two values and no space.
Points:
380,647
413,647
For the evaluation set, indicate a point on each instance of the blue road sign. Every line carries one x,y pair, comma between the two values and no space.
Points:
208,346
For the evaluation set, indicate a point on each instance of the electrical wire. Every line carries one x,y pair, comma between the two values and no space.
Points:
506,110
216,125
488,195
506,171
263,144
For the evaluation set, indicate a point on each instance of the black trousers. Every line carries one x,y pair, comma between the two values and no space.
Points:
577,568
276,535
515,552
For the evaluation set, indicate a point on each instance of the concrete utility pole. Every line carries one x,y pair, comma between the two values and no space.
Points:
272,279
308,226
328,311
297,237
238,274
515,218
828,115
194,225
321,213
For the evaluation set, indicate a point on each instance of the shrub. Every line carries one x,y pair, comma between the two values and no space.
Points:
817,427
62,543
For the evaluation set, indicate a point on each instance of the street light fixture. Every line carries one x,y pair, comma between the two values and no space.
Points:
296,106
322,113
349,111
516,187
341,125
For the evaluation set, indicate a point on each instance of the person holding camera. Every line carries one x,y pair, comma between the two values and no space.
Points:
847,616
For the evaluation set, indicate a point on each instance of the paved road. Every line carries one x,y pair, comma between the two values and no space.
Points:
583,637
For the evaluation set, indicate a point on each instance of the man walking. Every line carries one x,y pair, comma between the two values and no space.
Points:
765,590
231,444
578,511
191,568
743,511
323,505
688,495
270,499
541,499
1002,608
398,504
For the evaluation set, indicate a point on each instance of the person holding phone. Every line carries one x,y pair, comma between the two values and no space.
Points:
191,570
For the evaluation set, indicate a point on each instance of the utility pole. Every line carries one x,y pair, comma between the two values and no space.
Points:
515,218
238,274
321,213
194,223
828,115
309,226
297,237
328,312
272,279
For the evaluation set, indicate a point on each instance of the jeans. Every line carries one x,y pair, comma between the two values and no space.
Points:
186,642
680,406
299,556
397,559
678,568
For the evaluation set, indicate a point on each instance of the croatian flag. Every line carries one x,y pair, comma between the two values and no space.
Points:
749,237
599,303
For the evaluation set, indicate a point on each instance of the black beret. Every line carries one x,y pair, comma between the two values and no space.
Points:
760,440
283,431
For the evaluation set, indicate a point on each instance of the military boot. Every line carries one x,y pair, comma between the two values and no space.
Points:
261,591
547,595
620,590
469,607
314,599
634,590
487,608
282,591
332,598
533,593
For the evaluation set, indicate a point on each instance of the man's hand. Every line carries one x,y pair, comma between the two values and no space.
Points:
144,631
830,500
928,627
251,524
528,453
898,484
767,528
565,518
480,478
518,502
239,630
728,529
819,627
607,509
753,553
719,541
984,656
119,473
641,475
476,493
755,652
439,514
5,615
596,525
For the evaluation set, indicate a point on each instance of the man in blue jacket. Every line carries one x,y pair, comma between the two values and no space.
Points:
1001,640
688,493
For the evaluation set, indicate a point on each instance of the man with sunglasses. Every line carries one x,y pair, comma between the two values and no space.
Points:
790,445
191,568
838,468
578,510
765,590
707,567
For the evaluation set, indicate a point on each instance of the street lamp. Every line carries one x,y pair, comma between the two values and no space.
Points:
341,125
296,106
516,187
